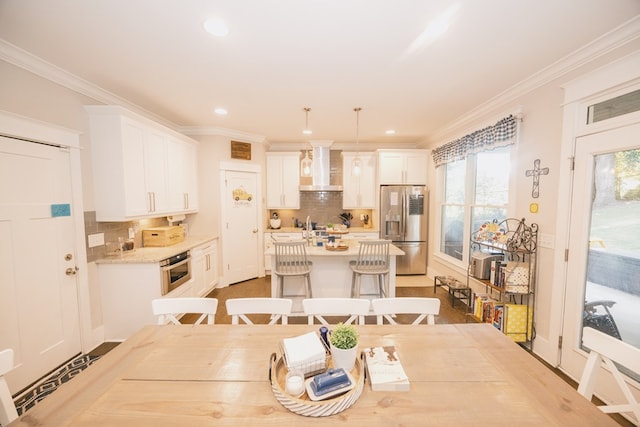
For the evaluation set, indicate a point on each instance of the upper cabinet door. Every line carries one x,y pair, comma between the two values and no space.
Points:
359,192
283,180
398,167
138,165
183,185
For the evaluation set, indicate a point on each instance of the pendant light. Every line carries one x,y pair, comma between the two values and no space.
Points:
356,164
306,129
306,165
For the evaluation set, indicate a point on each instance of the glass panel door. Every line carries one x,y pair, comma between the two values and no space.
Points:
603,289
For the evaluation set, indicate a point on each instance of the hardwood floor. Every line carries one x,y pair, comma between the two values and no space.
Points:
261,287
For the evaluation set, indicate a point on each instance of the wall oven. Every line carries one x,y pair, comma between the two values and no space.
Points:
175,271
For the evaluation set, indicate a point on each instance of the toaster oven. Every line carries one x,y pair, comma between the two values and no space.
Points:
481,264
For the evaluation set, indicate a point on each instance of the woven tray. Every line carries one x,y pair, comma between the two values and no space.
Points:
336,248
303,405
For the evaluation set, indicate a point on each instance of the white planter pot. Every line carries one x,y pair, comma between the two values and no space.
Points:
345,359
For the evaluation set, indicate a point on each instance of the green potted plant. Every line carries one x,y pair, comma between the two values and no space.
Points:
344,346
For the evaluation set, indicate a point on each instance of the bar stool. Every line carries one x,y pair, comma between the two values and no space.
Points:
291,260
373,260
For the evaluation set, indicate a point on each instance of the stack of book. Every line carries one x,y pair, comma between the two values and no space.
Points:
385,370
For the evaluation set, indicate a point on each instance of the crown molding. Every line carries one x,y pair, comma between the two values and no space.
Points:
220,131
616,38
38,66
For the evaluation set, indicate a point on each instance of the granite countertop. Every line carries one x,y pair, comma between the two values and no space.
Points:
154,254
352,251
299,230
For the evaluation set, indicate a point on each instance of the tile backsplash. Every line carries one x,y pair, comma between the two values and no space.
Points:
322,207
113,230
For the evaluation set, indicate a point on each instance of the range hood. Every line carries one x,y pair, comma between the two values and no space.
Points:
321,168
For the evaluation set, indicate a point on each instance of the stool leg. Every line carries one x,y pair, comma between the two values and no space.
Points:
353,284
308,282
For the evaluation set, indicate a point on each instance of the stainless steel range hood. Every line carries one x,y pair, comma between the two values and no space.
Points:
321,180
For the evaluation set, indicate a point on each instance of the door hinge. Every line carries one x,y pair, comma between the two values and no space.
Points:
560,342
572,163
566,255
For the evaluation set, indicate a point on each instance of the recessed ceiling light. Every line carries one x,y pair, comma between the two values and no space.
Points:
390,132
221,111
216,27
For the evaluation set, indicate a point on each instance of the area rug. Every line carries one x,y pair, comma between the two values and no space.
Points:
48,384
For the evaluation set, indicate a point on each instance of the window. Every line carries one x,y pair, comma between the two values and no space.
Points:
474,177
475,190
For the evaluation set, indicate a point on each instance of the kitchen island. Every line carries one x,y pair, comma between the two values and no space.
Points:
331,274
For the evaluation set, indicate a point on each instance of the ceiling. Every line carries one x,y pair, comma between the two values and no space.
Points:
331,56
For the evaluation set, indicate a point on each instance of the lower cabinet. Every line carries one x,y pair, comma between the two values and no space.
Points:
127,290
204,264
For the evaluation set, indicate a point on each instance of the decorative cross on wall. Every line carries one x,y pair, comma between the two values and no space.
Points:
535,173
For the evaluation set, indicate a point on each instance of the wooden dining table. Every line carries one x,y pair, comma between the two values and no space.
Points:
216,375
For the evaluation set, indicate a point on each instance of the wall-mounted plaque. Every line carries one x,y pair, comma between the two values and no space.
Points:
240,150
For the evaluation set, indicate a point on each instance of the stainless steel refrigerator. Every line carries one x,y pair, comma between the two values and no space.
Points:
403,220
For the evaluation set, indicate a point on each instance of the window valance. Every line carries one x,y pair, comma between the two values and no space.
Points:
501,134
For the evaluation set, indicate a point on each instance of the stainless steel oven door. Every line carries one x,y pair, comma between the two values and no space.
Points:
175,275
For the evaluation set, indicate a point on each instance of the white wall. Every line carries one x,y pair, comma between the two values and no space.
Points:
540,138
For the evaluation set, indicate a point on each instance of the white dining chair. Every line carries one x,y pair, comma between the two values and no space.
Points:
386,308
373,260
8,411
611,351
317,308
168,308
239,308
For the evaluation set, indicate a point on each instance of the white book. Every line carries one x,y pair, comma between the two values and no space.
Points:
385,370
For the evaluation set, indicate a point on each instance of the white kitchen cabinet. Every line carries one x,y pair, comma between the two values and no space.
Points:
204,262
283,180
359,192
140,168
183,185
397,167
127,290
362,235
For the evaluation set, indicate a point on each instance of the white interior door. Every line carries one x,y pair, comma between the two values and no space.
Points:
240,226
603,289
39,316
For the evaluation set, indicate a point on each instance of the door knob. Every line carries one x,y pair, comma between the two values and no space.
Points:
255,231
71,271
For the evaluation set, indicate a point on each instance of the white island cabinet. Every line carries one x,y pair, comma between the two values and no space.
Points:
399,167
140,168
331,274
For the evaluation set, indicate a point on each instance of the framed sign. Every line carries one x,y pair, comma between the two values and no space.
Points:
240,150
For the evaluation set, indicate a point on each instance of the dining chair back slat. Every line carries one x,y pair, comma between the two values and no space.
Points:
354,308
168,308
611,351
8,411
239,308
386,308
